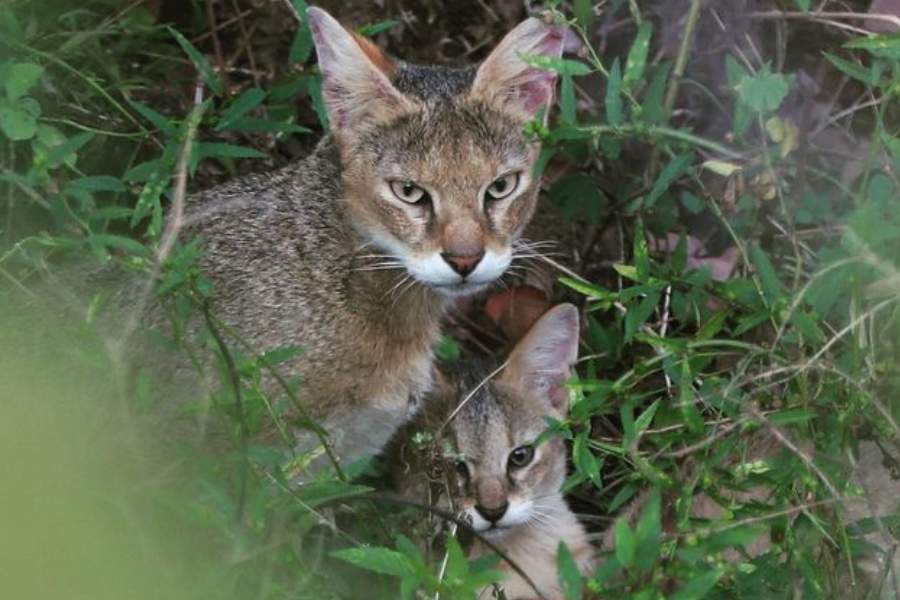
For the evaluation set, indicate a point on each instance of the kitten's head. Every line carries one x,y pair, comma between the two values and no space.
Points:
501,475
437,172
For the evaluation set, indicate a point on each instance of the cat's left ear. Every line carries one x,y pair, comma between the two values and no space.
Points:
542,361
356,84
507,82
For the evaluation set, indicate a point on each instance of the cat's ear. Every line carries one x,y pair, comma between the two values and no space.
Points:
356,83
541,362
507,82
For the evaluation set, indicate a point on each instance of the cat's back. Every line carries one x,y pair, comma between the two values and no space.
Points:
274,244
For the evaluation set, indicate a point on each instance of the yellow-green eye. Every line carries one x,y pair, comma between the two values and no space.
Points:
503,186
521,456
408,192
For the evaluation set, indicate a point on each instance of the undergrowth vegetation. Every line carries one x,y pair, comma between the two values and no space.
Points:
724,177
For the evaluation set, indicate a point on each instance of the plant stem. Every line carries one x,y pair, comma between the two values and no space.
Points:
681,60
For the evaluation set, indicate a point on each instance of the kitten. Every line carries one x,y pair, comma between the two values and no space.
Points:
416,196
506,485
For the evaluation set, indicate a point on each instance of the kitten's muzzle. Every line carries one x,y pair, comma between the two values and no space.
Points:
463,264
492,514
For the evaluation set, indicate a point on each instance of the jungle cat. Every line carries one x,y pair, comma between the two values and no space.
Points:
505,484
416,196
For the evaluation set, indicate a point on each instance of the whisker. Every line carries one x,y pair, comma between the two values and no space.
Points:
404,279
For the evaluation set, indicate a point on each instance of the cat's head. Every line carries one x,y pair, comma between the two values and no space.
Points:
437,172
501,476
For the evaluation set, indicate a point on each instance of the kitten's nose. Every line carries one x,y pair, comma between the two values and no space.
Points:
462,263
492,514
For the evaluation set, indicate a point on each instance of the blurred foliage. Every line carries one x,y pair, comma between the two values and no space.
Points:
752,287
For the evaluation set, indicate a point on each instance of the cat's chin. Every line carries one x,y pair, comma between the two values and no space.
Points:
459,290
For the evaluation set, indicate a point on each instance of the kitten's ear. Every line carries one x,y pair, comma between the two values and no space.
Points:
540,363
510,84
356,74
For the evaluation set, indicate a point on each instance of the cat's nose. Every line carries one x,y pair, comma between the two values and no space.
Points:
462,263
492,514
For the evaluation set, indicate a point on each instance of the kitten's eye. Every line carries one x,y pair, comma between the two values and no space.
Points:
521,456
502,187
409,192
461,469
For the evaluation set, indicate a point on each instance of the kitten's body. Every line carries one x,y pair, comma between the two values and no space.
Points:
352,254
517,507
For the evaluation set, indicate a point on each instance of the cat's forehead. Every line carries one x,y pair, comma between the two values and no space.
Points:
493,419
447,139
432,82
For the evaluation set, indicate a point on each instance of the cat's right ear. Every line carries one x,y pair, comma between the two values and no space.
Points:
356,75
542,361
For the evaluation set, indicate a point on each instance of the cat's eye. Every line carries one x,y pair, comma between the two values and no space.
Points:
461,469
502,187
521,456
409,192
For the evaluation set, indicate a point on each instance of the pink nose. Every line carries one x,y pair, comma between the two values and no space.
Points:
463,264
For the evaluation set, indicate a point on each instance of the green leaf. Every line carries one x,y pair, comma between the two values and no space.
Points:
120,242
379,27
714,325
160,122
584,14
265,125
886,46
567,99
771,285
648,533
791,416
686,402
626,543
457,565
589,290
377,559
646,418
579,196
637,315
20,77
637,56
223,150
567,570
302,45
58,153
652,109
319,492
672,171
241,105
807,325
206,71
447,349
802,5
679,256
16,124
698,586
867,76
99,183
613,98
641,255
563,66
585,461
763,91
